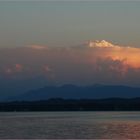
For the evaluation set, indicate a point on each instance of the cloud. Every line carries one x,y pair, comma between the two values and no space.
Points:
105,49
47,68
11,71
89,63
8,71
18,67
38,47
108,65
101,44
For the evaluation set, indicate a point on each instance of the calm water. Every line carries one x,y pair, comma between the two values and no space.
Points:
70,125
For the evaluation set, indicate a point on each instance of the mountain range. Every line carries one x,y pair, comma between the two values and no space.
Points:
96,91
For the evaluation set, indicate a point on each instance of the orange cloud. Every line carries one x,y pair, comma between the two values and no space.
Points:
38,47
104,49
130,55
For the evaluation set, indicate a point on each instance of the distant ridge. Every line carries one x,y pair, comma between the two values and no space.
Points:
96,91
59,104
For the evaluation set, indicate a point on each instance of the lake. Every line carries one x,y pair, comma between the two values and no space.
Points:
70,125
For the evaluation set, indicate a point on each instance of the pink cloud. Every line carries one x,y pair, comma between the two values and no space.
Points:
18,67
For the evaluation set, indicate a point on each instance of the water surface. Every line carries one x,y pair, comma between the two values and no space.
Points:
70,125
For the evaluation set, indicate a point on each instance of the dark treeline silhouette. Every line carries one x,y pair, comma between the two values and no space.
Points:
59,104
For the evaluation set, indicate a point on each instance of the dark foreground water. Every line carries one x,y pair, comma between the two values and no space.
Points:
70,125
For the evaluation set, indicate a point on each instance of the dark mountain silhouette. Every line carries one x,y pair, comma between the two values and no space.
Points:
79,92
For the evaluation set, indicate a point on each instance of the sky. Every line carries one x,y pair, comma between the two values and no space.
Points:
94,62
67,23
75,42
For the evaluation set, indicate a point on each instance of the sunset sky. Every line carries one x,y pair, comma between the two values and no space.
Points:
68,42
65,23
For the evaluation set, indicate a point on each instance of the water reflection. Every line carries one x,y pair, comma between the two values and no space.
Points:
70,125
